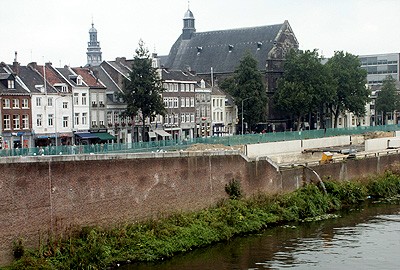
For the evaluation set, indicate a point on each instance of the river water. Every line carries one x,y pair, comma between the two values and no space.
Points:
365,238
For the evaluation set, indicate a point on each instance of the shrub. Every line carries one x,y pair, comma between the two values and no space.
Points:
234,189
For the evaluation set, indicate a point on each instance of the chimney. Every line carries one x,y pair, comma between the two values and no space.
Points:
33,65
16,65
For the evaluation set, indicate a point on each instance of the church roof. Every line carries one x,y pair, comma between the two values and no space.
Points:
222,50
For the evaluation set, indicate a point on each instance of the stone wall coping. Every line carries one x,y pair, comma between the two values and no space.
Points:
119,156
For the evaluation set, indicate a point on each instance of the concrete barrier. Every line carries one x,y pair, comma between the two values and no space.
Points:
325,142
272,148
394,142
377,144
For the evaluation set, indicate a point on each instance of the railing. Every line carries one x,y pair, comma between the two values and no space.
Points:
176,145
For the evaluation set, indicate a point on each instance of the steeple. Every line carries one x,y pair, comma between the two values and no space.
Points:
93,50
188,25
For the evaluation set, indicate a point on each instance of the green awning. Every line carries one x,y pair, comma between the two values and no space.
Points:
105,136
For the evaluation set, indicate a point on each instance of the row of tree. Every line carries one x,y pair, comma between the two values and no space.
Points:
309,86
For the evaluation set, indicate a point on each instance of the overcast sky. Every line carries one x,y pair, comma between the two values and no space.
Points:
57,30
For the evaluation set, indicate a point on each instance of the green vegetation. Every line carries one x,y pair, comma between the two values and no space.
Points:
142,90
387,100
308,87
248,90
96,248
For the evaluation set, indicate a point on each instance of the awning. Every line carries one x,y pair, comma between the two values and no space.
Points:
87,135
152,134
162,133
105,136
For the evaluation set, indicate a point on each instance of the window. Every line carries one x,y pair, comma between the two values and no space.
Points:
15,103
11,84
25,121
6,121
192,88
76,98
109,117
38,101
16,123
94,123
175,87
182,118
6,103
65,105
84,98
187,102
166,102
175,102
65,121
182,102
25,103
116,117
170,102
192,102
50,120
101,123
188,117
84,118
39,120
77,115
192,117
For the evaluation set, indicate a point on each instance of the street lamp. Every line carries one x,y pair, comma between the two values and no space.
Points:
242,112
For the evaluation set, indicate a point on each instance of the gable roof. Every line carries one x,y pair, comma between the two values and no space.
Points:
88,77
222,50
32,78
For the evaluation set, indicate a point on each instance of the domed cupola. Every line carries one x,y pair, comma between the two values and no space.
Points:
93,51
188,25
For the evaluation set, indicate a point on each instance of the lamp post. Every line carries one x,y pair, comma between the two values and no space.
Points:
242,112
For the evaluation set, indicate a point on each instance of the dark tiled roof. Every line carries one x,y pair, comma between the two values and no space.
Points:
66,73
105,79
222,50
178,75
31,78
19,87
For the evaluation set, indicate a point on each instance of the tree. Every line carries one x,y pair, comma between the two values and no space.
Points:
350,85
247,87
387,99
305,87
142,90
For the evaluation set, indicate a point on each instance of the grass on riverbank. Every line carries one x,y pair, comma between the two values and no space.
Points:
96,248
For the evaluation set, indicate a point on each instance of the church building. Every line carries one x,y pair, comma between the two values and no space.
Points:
219,52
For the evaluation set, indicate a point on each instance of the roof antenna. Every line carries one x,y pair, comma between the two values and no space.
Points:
188,5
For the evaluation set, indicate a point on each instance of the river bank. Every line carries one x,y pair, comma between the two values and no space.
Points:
160,239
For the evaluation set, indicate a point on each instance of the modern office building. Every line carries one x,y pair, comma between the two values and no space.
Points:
379,66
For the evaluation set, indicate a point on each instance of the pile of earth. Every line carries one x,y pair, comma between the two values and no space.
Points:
213,147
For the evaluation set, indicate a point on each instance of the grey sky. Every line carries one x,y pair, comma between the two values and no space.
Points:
57,30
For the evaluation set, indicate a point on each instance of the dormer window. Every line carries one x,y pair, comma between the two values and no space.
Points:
199,49
259,44
11,84
230,46
79,80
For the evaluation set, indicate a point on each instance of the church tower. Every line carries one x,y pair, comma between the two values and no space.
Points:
93,50
188,25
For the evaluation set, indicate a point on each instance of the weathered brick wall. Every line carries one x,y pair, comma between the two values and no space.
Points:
53,194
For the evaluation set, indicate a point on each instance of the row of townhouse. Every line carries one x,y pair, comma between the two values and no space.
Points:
43,105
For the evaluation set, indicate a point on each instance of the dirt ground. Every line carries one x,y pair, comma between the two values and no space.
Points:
213,147
221,147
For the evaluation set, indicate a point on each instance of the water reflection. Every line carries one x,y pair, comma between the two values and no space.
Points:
368,238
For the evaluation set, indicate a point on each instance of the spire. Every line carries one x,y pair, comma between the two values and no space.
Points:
93,51
188,24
